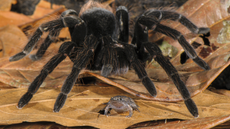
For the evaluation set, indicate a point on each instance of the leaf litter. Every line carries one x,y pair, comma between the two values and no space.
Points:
85,101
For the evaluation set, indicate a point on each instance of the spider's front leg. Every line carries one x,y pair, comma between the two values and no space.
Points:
80,63
139,68
68,18
128,50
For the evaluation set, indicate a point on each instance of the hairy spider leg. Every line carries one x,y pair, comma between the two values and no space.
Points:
152,19
64,50
189,50
53,27
47,69
128,50
155,51
139,68
122,19
141,38
49,39
80,63
159,15
110,60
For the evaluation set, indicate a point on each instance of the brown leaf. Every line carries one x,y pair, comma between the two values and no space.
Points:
5,5
12,40
12,18
196,82
36,125
194,77
166,90
30,27
222,91
20,74
199,123
202,14
84,103
23,72
43,9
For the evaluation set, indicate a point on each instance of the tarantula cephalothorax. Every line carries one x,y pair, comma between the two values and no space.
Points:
100,42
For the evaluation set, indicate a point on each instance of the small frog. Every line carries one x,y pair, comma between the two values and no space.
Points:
121,104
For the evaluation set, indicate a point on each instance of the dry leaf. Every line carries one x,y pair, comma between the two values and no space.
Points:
12,18
194,123
196,82
21,74
202,14
84,103
5,5
37,125
200,123
43,9
8,45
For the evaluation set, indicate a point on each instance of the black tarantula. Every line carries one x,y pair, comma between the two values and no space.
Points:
99,41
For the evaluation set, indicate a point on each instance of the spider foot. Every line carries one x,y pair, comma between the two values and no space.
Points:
106,70
60,102
17,56
201,63
149,86
24,100
203,30
192,107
